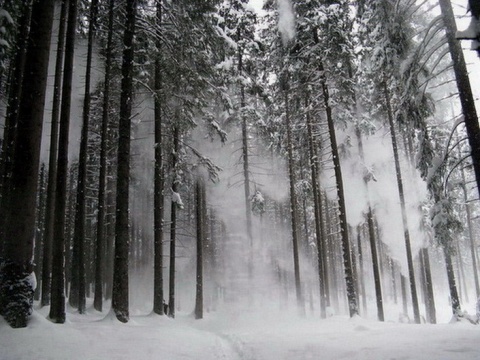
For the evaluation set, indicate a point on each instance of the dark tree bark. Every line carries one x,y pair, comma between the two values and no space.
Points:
200,217
319,231
16,292
361,272
373,244
454,298
52,162
471,237
347,260
57,308
246,165
79,233
40,226
173,226
17,67
411,269
120,304
464,89
158,211
429,298
293,201
101,213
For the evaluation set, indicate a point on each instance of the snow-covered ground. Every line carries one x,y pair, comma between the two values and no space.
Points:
236,335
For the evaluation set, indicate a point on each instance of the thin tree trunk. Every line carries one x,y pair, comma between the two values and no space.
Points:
158,297
101,208
293,204
246,167
173,226
52,162
70,208
347,260
361,273
371,235
57,308
403,284
411,270
461,272
429,298
120,303
79,232
40,226
200,216
319,231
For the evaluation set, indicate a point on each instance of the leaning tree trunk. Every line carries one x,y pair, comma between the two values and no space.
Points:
16,291
120,304
57,308
293,202
411,270
471,238
102,181
464,89
347,260
78,292
158,199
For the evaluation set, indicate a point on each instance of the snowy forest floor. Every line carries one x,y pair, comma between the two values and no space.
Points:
235,335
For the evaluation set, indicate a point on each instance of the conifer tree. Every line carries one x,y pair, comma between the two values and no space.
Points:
120,303
16,291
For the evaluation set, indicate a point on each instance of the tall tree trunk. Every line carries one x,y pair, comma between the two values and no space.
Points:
200,216
102,181
371,235
461,272
471,238
158,211
293,202
173,225
70,215
246,166
429,298
319,231
120,304
454,298
40,226
347,260
464,89
411,270
52,162
361,272
17,67
79,232
57,308
15,306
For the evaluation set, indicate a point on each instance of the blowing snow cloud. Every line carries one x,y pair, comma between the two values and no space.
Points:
286,20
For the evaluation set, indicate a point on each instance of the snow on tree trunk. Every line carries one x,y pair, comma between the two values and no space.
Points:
120,301
16,291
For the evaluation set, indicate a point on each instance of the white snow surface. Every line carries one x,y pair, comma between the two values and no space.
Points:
266,334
